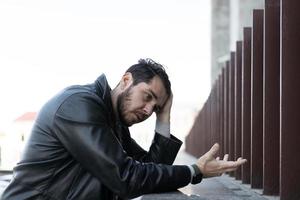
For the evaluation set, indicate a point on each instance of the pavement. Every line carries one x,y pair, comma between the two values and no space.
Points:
218,188
221,188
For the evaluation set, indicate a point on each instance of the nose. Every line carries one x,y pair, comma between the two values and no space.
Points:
148,109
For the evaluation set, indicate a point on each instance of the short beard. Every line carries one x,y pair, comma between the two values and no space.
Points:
121,105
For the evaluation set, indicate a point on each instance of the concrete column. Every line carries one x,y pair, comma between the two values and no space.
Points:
220,34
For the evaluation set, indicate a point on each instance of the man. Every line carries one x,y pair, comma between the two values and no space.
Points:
80,146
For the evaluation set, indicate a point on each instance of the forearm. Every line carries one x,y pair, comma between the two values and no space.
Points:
163,128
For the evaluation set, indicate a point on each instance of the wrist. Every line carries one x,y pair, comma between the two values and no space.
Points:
163,128
163,118
196,169
197,177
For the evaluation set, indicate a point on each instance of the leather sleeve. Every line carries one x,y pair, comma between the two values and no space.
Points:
82,130
162,150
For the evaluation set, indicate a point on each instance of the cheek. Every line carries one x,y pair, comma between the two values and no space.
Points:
134,103
129,106
132,107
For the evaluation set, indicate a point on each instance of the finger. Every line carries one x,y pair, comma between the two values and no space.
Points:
226,157
214,149
227,164
232,164
241,161
218,158
230,169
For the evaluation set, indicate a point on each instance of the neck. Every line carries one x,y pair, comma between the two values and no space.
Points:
114,97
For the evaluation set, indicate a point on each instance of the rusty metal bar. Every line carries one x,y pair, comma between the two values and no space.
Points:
220,114
193,139
206,125
290,98
271,86
224,108
257,100
222,111
201,132
238,107
226,122
246,103
214,111
208,118
201,128
217,111
231,107
213,114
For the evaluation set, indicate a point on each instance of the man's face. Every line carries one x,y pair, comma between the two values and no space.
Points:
138,102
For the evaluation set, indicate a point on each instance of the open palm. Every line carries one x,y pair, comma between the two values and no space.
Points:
211,166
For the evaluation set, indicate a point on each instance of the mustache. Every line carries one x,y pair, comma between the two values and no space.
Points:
142,116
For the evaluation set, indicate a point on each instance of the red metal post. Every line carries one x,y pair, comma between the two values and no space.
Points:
271,97
231,107
246,104
227,108
238,106
219,98
257,100
222,111
290,98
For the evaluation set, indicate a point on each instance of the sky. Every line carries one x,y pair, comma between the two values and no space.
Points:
48,45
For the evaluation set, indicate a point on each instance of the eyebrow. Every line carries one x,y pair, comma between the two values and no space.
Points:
153,93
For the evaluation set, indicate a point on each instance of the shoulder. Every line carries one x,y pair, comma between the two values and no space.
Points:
81,104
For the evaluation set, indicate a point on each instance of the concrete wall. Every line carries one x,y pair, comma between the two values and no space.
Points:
228,19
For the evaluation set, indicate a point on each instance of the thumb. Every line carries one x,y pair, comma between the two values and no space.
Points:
213,150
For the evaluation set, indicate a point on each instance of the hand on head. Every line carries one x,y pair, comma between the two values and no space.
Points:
211,166
163,115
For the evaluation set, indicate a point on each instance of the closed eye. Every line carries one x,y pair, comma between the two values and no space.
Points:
148,97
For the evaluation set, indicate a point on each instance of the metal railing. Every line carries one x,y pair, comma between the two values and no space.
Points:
253,109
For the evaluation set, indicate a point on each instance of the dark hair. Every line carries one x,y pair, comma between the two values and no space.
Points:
146,69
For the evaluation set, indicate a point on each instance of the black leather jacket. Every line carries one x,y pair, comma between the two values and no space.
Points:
79,150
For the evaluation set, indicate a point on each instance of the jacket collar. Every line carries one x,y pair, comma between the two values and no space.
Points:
104,91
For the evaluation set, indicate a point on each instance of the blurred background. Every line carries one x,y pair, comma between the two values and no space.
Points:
46,46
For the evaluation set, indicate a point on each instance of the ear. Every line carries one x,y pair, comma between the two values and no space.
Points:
126,81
